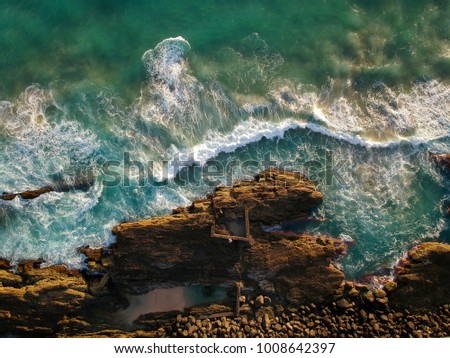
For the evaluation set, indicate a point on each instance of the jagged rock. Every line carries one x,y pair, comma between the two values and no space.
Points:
9,279
423,278
273,196
390,286
379,293
29,194
46,295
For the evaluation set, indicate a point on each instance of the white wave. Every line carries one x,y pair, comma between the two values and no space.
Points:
246,132
172,96
174,99
380,117
36,148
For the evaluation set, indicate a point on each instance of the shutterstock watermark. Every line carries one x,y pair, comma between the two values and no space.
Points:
185,170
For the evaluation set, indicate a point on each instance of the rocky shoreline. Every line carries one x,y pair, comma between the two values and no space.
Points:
279,284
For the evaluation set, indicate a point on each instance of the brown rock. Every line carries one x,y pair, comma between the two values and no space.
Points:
369,297
259,301
32,194
8,279
343,303
379,293
93,254
83,183
43,299
184,248
423,277
390,286
8,197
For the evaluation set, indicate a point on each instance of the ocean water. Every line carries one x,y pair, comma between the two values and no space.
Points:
356,94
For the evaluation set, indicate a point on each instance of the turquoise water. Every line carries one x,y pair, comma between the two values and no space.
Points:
358,87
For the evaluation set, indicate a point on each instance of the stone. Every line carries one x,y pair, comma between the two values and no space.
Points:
93,254
379,293
343,303
29,194
390,286
368,297
259,301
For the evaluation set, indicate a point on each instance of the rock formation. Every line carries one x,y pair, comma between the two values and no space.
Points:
283,284
219,239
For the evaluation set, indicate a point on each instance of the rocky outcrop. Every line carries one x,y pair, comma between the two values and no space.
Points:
41,302
423,278
53,301
219,239
82,184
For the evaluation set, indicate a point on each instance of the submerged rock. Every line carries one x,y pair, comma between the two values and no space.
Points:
28,194
442,160
82,184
